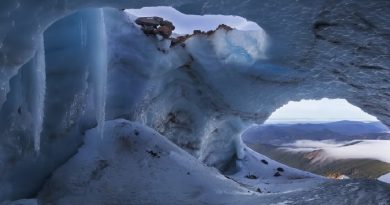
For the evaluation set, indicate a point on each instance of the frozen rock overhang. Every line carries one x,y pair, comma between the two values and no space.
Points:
317,49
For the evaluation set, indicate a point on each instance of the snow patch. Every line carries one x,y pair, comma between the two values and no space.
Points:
385,178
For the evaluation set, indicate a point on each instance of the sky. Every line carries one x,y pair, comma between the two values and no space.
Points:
319,110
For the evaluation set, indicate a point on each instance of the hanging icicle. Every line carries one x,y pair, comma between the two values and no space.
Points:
38,87
100,73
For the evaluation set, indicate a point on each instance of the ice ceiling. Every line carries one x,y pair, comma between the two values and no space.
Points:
66,66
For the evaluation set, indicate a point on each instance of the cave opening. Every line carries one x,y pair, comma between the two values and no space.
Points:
329,137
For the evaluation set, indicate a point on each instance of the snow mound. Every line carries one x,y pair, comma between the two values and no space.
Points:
133,164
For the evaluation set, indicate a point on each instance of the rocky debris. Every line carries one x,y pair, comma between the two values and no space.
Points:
149,21
167,24
277,174
259,190
280,169
164,31
155,25
153,154
158,26
225,27
251,176
181,39
197,32
264,161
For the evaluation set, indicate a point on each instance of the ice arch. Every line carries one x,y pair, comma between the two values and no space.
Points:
310,57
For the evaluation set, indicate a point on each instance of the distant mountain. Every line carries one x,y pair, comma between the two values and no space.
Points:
309,161
277,134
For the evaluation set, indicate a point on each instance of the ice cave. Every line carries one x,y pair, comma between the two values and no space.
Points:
99,108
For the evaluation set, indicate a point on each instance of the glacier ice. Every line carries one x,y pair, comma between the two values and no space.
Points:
186,93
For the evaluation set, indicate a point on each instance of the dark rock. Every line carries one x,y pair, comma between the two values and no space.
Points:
197,32
264,161
251,176
149,30
153,154
179,40
225,27
148,21
280,169
164,31
155,25
168,24
136,133
277,174
258,190
159,19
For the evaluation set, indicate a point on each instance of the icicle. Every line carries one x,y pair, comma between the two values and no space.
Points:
83,33
39,89
100,83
